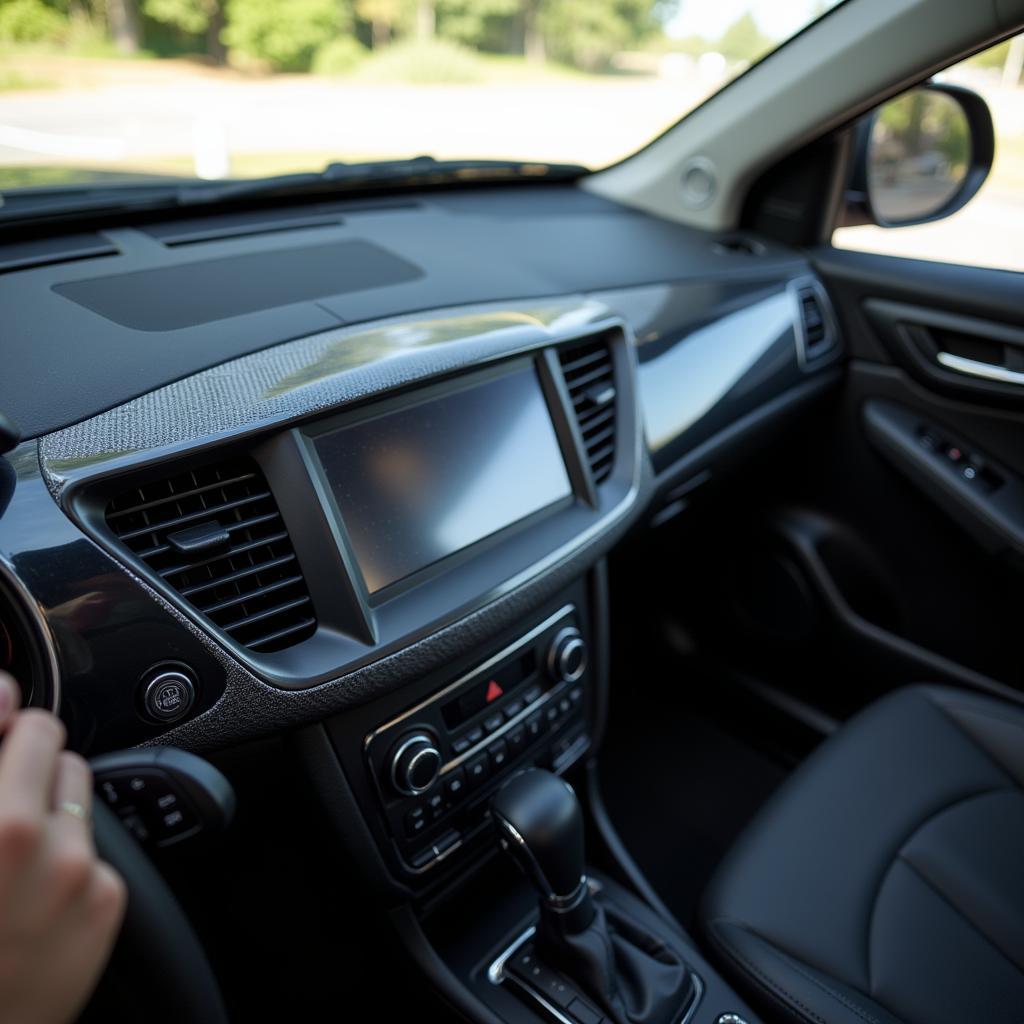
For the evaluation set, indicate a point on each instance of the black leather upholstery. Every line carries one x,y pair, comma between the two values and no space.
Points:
884,882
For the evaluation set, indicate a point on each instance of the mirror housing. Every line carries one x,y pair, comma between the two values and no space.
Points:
908,171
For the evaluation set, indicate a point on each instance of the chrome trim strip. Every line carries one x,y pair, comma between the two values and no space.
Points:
44,636
977,368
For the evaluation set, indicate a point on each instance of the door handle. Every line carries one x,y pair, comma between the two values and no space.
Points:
977,368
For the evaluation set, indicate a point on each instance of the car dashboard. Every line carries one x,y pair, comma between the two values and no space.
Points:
356,466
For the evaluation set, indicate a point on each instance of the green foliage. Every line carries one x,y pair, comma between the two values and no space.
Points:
744,41
423,62
31,21
475,23
282,35
588,33
339,56
191,16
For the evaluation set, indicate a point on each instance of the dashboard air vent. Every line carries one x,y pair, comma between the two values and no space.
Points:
814,328
590,378
214,534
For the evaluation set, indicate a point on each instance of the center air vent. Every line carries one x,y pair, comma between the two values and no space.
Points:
590,378
214,534
814,333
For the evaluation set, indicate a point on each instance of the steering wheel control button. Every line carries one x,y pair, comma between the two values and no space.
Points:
415,764
567,656
168,693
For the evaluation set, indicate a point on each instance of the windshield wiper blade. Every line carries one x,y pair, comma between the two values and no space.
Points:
341,177
38,204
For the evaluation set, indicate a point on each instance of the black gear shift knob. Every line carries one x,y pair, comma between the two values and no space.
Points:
540,823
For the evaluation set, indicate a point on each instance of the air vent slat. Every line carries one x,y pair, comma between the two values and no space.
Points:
267,613
192,517
251,586
146,505
277,636
233,602
813,323
235,577
590,379
234,550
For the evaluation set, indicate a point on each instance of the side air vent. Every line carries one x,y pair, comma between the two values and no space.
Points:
214,534
814,331
590,378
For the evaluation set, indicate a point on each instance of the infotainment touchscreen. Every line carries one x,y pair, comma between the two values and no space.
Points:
426,479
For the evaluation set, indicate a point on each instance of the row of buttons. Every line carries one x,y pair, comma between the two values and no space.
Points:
457,783
494,721
971,466
148,807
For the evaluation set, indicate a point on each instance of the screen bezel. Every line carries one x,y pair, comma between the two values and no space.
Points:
413,397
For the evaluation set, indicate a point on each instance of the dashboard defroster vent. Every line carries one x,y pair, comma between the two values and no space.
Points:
215,535
590,377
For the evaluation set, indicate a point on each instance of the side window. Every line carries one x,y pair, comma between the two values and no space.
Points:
989,230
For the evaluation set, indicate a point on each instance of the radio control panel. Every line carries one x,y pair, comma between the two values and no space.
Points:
436,765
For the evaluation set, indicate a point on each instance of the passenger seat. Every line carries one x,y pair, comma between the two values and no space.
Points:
884,882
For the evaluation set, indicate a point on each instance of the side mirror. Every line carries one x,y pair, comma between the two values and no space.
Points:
920,157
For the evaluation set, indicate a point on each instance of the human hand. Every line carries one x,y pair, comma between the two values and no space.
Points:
60,906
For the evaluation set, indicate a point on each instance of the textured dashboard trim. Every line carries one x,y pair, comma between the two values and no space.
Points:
301,378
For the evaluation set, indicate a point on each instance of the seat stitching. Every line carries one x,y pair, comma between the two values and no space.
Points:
957,910
800,969
765,980
932,814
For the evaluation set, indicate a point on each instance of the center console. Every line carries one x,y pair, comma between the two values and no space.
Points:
425,769
435,765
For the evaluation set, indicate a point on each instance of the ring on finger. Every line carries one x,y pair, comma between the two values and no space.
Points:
76,810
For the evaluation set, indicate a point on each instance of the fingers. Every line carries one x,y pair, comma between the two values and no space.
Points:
73,786
28,765
10,698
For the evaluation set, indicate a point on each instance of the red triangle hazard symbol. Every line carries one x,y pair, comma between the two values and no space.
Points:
494,691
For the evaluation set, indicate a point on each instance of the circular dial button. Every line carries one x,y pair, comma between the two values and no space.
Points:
415,764
567,657
168,694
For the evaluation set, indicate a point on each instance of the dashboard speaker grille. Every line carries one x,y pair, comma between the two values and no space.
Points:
215,535
590,378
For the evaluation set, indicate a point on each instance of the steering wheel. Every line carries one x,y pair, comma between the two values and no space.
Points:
159,971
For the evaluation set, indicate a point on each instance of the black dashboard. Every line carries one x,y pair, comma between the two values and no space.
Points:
352,464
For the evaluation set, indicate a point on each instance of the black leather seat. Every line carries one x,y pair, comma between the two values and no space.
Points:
885,881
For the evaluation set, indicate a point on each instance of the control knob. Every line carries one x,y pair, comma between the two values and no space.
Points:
415,764
567,656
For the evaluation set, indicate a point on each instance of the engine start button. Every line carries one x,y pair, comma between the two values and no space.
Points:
168,694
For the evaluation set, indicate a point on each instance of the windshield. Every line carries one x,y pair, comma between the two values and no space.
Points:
109,91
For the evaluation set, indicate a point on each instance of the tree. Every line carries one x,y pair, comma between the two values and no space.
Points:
194,17
744,41
282,33
385,18
123,22
588,33
473,22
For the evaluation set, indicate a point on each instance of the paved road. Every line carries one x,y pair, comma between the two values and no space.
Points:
152,117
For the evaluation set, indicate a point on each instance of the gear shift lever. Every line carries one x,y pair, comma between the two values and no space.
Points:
634,975
540,825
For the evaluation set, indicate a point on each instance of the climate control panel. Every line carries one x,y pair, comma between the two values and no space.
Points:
435,766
